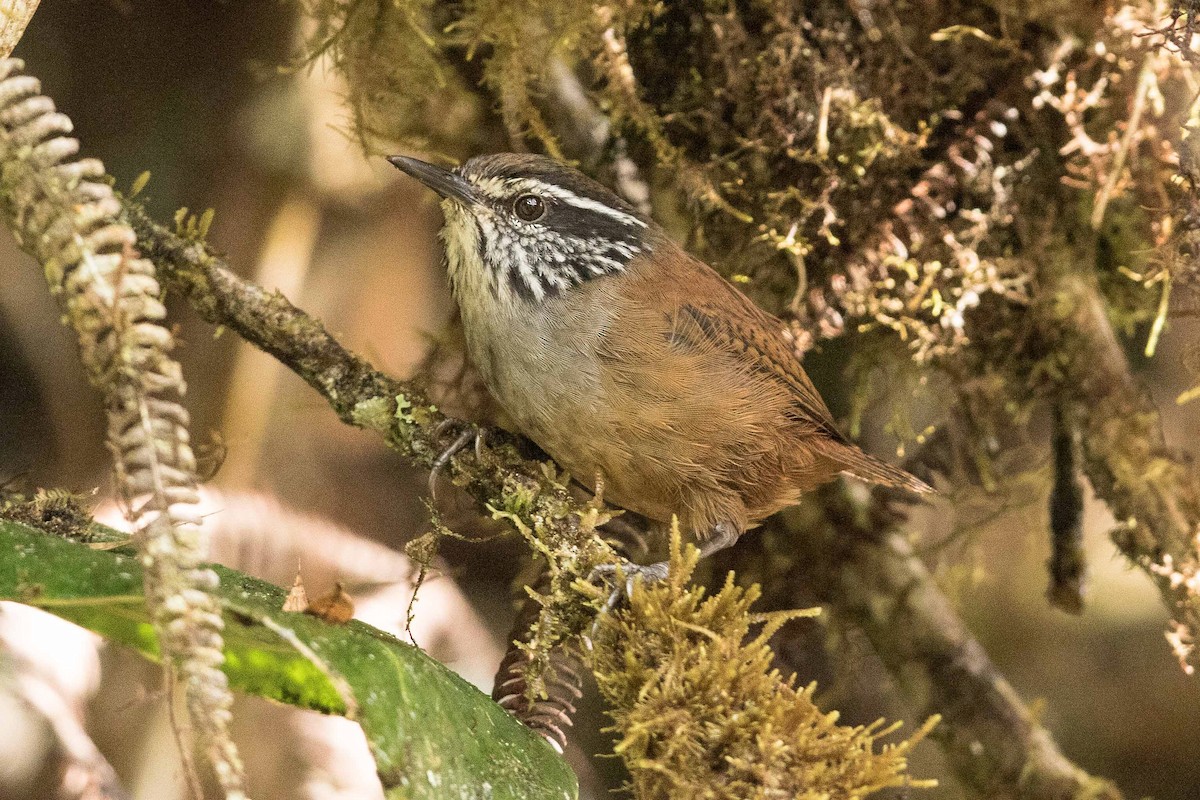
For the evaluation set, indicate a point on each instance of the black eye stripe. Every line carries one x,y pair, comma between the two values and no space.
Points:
539,245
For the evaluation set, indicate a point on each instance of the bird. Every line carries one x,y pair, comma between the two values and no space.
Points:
627,359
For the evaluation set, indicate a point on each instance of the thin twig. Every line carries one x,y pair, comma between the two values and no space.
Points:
1145,81
344,690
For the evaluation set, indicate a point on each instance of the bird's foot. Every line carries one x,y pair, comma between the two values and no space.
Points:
468,432
650,573
722,535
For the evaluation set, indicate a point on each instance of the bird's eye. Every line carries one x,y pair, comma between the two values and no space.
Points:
529,207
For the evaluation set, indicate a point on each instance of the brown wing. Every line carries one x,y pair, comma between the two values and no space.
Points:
761,349
714,314
711,313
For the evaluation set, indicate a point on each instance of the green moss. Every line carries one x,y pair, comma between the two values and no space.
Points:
402,91
698,710
851,153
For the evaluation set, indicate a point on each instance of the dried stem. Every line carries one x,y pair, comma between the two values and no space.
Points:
15,16
64,213
1145,81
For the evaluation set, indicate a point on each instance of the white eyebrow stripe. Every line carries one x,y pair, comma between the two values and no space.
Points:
489,187
573,199
496,188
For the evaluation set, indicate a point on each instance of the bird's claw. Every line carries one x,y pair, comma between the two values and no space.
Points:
650,573
469,431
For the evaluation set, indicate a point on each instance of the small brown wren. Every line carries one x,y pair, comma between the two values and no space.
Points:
624,357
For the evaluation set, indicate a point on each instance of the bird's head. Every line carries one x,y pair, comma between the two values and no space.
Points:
525,228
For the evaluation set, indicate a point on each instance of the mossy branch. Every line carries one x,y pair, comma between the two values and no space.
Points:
532,495
1152,490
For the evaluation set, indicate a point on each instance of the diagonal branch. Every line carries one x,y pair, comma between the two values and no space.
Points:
530,493
848,548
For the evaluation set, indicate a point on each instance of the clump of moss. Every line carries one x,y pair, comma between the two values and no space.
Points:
401,89
863,166
700,711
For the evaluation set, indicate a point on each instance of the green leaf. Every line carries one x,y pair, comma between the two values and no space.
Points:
433,734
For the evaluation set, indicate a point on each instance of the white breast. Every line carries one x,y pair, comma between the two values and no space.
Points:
536,357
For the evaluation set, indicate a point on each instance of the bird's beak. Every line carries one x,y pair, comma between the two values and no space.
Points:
442,181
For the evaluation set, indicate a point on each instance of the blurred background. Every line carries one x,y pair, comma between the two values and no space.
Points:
191,92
